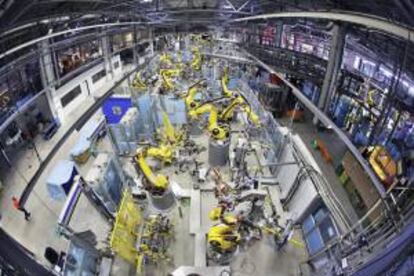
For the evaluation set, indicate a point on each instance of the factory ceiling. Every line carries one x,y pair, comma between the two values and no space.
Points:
25,20
17,12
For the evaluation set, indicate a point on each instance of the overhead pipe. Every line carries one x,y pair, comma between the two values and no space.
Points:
6,6
368,20
403,9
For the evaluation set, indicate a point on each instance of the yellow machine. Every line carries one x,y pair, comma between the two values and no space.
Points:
156,234
371,97
190,101
157,183
383,164
165,59
168,135
218,214
162,152
196,63
124,236
138,83
218,132
223,237
166,76
227,114
224,82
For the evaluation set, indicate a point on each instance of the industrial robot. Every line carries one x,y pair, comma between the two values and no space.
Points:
165,60
196,62
233,229
239,101
138,83
155,184
190,101
224,82
168,135
223,240
167,81
218,131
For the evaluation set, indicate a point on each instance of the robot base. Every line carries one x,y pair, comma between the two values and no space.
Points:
218,152
195,129
162,202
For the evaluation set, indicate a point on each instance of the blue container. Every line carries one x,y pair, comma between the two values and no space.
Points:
115,107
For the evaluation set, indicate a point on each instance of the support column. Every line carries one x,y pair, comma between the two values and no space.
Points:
333,68
47,74
278,36
106,50
151,39
46,62
134,49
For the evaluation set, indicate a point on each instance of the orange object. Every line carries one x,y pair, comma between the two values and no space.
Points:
324,151
16,203
274,79
297,115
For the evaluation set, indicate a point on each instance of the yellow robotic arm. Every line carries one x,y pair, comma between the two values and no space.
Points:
163,153
165,58
371,97
166,75
223,237
224,82
196,63
190,102
217,132
227,113
158,183
138,83
169,135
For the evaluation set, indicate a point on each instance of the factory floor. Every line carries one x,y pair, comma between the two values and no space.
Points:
260,258
191,226
41,230
308,132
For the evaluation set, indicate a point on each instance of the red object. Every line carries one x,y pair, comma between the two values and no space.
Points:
16,203
324,151
274,79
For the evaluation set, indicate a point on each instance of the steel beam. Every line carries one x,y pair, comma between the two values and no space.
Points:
37,40
366,20
333,68
328,122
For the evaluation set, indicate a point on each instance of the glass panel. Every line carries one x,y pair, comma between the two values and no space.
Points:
71,58
314,241
327,230
122,41
319,215
308,224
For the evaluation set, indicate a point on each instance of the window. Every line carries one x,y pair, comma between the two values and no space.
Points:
18,84
318,230
122,41
73,57
98,75
65,100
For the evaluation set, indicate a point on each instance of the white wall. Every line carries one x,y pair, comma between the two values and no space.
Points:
306,196
95,90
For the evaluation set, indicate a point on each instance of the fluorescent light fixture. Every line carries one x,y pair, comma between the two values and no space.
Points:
368,62
386,72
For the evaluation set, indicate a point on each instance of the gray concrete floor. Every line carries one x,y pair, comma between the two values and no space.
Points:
308,132
41,230
260,258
